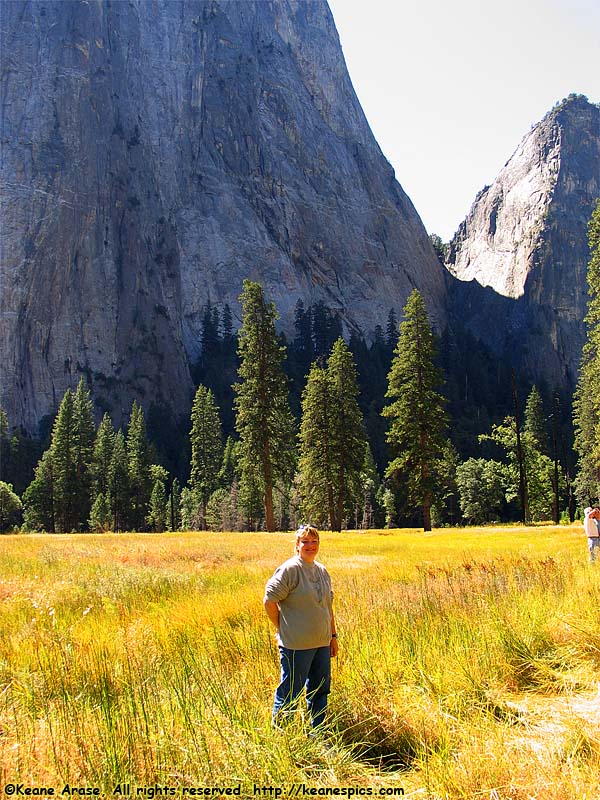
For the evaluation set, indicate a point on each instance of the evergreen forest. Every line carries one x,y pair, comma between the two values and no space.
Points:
347,429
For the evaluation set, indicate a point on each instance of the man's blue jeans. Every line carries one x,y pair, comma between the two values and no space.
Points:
593,546
299,668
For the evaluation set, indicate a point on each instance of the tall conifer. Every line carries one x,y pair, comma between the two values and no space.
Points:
157,505
63,451
207,447
118,484
332,439
100,514
139,461
535,422
4,445
263,418
586,406
227,471
391,331
85,434
347,433
227,323
315,465
416,413
38,498
103,447
173,507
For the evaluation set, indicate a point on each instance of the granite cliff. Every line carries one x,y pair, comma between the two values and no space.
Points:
154,154
525,239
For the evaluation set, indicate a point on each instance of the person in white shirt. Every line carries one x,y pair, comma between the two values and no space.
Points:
591,523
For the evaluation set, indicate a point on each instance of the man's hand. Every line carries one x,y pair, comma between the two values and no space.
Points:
333,647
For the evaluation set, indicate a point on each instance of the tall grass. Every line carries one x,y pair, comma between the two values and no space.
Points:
148,659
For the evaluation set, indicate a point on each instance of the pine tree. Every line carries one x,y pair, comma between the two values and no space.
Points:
441,249
315,465
263,419
391,331
535,423
103,448
4,445
174,507
207,447
100,514
326,328
227,323
63,452
85,434
38,498
347,434
303,342
71,454
332,439
251,501
20,460
417,414
10,506
157,507
101,517
219,512
139,461
586,406
118,484
227,473
210,333
187,509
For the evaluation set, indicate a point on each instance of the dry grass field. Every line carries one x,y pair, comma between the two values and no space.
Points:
143,665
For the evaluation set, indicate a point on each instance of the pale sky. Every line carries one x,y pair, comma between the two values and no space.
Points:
450,87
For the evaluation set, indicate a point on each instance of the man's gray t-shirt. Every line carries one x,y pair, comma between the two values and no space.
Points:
303,594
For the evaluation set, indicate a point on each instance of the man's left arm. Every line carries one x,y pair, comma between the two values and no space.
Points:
333,645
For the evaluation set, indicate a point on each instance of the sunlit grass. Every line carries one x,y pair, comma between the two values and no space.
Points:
148,658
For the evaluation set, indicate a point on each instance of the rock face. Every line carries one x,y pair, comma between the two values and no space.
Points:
526,238
154,155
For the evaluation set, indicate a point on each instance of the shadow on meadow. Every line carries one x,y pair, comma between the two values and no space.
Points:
375,742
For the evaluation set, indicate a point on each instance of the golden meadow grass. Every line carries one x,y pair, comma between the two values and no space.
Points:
469,663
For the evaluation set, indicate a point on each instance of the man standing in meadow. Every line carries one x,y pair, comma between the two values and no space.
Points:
591,521
298,601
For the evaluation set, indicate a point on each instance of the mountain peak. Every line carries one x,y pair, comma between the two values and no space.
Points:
556,165
526,238
572,103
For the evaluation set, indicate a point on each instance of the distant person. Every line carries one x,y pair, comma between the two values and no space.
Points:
298,601
591,524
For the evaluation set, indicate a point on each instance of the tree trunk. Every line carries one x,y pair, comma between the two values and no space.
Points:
333,523
339,513
269,515
427,516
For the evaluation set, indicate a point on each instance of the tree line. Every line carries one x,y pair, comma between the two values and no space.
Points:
298,440
266,475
